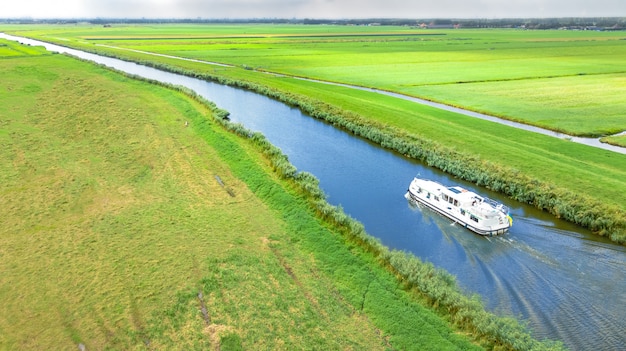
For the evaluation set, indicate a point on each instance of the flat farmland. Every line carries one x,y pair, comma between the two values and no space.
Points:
153,154
568,81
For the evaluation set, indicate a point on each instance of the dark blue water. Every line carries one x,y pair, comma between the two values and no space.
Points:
567,283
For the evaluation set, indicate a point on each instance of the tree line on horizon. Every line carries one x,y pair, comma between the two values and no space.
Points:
588,23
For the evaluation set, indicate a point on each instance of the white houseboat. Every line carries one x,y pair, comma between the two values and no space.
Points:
476,213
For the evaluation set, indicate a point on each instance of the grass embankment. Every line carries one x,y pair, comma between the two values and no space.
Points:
112,222
618,140
116,234
579,183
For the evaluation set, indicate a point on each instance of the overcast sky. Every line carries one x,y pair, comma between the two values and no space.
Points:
312,8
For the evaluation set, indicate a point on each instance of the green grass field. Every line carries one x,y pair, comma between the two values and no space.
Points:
113,222
570,81
559,96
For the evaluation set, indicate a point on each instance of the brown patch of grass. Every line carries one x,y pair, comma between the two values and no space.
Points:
215,333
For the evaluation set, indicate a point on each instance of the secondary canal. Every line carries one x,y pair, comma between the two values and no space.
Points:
565,282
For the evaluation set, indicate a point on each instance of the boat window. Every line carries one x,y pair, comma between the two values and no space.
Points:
437,198
463,212
473,218
456,203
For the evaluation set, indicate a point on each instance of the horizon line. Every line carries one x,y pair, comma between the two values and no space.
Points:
200,18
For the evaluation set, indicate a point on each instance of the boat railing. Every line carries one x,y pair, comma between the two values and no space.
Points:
497,205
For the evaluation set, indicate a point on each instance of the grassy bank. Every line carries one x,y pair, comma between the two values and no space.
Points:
619,140
117,234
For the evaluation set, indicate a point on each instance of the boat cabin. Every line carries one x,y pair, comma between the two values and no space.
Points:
460,197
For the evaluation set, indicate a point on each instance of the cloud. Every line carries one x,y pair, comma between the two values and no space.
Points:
243,8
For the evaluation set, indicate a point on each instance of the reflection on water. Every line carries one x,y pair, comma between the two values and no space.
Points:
567,283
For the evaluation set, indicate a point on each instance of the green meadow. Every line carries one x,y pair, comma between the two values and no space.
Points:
569,81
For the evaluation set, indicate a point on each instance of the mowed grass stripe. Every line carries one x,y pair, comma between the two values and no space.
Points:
586,105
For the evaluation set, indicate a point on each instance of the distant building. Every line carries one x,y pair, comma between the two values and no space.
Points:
435,25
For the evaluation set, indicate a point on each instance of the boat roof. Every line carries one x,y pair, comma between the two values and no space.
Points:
460,193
